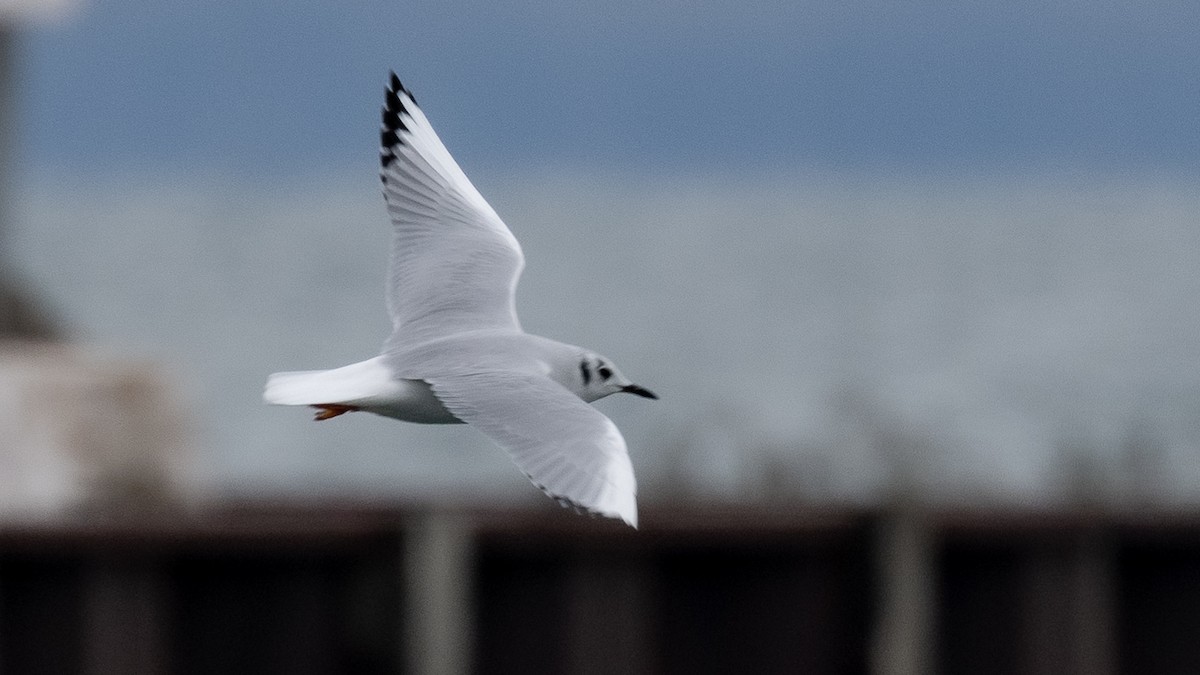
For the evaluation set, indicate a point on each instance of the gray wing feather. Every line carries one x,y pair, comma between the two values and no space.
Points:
566,447
454,264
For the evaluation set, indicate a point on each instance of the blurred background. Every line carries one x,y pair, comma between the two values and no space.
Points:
916,283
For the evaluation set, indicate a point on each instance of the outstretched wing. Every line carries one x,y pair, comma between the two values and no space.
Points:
454,264
567,448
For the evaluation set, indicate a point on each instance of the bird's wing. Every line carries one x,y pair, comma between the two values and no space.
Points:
566,447
454,264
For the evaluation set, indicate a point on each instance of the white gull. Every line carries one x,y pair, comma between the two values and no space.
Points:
457,352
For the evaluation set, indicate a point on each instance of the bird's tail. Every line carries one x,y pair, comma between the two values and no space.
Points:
346,385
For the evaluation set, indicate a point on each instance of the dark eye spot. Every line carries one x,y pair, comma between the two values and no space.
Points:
605,372
587,374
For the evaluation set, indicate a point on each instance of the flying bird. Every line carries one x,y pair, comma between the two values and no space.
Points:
457,352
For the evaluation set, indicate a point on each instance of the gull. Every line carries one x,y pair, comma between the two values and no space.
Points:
457,353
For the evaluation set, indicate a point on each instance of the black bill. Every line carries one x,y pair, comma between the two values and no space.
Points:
640,391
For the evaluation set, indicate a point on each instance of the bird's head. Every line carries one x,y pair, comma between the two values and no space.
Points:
598,377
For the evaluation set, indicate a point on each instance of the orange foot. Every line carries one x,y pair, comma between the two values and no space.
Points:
328,410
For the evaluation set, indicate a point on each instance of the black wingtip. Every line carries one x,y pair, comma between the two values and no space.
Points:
396,86
393,123
388,136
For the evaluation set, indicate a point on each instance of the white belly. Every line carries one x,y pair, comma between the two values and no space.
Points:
411,401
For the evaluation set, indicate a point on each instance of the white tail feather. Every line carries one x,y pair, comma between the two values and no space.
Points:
355,383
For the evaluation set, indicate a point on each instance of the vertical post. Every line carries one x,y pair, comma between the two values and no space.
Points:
903,639
18,318
7,139
8,125
438,618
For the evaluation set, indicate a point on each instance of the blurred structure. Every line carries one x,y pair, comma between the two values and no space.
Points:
257,589
19,315
84,432
77,430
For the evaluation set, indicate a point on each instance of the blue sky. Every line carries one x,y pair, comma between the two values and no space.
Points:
265,87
